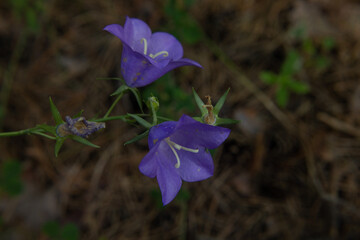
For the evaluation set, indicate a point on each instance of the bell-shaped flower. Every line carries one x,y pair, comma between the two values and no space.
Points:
146,56
179,151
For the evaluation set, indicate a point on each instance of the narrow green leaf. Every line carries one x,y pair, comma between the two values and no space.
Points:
78,114
55,112
225,121
137,138
84,141
221,102
47,128
137,95
199,103
58,144
140,120
120,90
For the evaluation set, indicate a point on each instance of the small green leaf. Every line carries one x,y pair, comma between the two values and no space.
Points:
137,138
298,87
55,112
282,96
292,63
58,145
199,103
83,141
69,232
140,120
221,102
268,77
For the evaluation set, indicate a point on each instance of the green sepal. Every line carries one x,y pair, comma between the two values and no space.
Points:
121,90
137,138
225,121
220,103
199,119
83,141
140,120
55,112
199,103
58,144
78,114
47,128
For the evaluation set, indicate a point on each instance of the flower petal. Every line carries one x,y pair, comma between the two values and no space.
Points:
169,181
148,165
134,30
195,166
116,30
161,41
191,133
160,131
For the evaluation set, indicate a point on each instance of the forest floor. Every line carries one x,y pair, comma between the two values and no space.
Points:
289,169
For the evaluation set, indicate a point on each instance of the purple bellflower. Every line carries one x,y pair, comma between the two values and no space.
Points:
178,151
78,126
146,56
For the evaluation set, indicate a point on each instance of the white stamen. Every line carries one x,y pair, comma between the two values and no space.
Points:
176,146
177,165
144,41
165,54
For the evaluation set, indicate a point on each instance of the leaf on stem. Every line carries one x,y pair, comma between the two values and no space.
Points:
221,102
199,103
137,138
55,112
140,120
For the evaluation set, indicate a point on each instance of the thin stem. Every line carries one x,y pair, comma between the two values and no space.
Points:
113,105
120,117
18,133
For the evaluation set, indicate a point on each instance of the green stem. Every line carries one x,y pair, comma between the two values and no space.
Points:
113,105
120,117
18,133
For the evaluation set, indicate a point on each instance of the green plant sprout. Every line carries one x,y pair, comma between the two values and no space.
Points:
284,80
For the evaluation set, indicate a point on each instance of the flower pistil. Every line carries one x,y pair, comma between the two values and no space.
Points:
176,146
153,56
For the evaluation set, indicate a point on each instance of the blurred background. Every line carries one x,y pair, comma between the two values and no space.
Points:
289,170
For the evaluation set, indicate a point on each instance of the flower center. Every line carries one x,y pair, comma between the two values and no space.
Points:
164,53
176,146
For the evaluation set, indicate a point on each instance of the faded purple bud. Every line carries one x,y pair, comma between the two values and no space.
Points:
78,126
